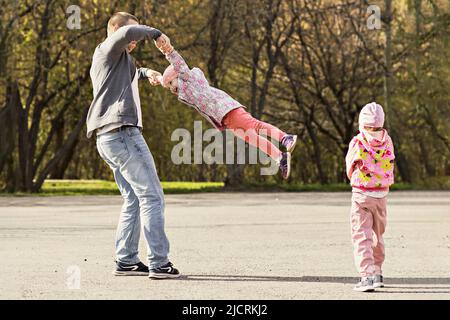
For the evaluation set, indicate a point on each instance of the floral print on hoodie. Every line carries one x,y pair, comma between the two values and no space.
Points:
370,161
194,90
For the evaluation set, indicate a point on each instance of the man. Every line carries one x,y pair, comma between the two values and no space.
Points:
115,116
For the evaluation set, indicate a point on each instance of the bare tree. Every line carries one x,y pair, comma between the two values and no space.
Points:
45,95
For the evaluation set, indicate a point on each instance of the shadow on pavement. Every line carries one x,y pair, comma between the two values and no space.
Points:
389,281
407,290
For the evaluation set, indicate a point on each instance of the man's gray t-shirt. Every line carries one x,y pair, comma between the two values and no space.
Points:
112,73
137,102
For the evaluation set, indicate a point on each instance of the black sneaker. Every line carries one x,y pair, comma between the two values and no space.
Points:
137,269
166,271
285,165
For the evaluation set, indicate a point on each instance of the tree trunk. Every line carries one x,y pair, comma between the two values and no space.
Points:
402,163
235,176
61,153
8,134
60,169
7,119
317,153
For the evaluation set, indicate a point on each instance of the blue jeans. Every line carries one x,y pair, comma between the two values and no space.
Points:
129,157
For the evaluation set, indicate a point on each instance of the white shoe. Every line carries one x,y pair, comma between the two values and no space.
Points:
378,281
365,285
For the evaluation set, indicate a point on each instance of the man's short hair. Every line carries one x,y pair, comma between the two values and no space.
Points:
120,19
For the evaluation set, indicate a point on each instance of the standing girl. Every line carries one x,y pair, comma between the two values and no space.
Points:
370,168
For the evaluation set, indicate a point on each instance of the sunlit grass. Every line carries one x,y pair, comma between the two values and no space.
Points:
103,187
95,187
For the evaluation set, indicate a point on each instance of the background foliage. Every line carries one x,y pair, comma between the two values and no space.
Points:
305,66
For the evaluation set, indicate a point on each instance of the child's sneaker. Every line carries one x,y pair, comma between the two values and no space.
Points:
364,285
285,165
289,141
378,281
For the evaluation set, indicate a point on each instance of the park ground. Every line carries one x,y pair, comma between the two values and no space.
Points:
227,245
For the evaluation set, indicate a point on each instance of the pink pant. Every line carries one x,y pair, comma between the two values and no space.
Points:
249,129
368,222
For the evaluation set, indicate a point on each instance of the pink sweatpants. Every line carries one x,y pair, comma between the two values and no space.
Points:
249,129
368,222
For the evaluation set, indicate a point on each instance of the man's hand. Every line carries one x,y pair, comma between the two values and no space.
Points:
163,44
162,41
154,77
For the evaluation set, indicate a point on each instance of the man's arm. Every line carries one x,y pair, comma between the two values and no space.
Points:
144,73
116,43
153,76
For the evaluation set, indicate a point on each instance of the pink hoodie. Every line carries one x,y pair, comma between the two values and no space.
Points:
370,161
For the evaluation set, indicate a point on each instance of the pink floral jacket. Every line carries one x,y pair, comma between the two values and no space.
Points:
370,162
194,90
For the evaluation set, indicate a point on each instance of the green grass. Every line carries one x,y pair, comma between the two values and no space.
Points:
102,187
293,187
435,183
75,187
